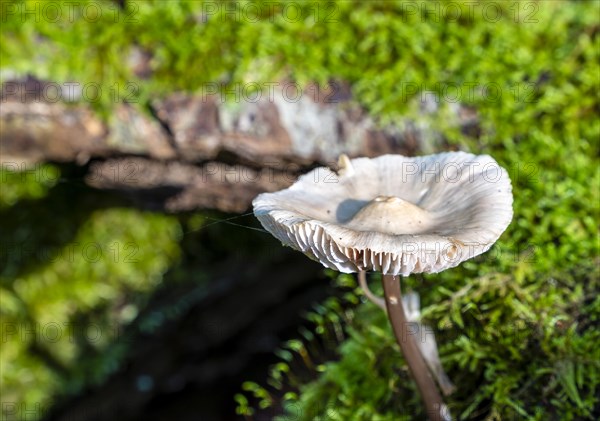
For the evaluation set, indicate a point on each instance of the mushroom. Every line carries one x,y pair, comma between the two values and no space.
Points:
396,215
427,344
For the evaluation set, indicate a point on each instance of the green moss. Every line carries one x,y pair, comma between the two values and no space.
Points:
515,326
515,350
18,182
62,316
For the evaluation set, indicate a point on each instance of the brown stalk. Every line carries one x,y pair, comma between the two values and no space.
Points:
436,409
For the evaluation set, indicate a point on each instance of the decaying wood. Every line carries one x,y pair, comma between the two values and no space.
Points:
204,151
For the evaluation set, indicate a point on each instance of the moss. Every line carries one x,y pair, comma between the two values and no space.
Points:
72,279
20,182
515,326
81,297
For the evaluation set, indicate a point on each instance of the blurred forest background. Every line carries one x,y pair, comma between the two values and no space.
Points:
130,129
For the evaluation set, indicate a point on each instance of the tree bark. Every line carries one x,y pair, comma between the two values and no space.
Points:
199,150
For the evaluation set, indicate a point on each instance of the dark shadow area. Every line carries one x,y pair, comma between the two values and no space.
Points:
348,208
213,322
196,342
33,231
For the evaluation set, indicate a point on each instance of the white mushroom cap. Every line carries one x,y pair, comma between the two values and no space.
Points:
393,214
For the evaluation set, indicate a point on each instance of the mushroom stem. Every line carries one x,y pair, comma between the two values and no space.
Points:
436,409
362,281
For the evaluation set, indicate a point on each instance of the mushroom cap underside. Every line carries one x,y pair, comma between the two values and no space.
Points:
393,214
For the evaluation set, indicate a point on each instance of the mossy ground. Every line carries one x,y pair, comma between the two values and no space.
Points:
517,327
